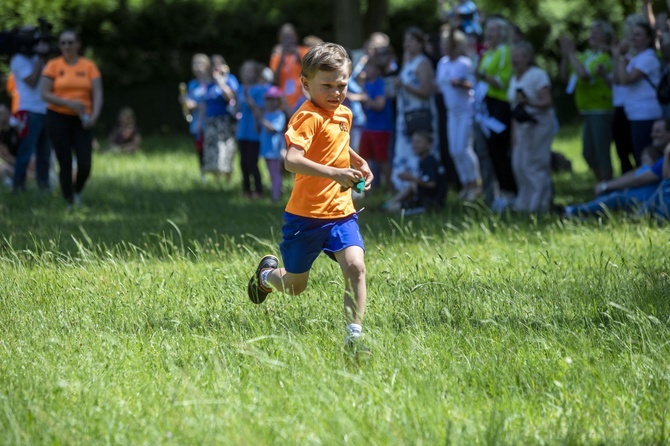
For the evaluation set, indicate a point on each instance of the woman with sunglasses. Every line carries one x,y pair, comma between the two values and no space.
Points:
72,88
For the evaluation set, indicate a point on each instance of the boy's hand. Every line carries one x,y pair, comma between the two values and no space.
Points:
347,178
367,174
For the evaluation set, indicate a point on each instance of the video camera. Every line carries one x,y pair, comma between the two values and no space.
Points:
24,38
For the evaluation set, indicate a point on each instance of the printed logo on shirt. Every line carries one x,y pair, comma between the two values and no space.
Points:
80,74
343,127
61,73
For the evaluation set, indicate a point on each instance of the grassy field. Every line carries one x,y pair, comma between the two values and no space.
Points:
126,321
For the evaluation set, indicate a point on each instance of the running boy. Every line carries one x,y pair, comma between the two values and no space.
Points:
320,214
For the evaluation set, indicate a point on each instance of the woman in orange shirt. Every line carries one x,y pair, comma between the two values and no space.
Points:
286,64
72,88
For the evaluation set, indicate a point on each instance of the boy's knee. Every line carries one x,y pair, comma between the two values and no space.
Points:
355,269
294,289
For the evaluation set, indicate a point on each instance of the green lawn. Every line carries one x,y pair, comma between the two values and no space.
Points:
127,322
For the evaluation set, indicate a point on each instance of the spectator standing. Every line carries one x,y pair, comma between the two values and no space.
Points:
191,99
465,11
273,124
533,131
31,112
285,63
416,86
639,77
355,96
250,96
621,133
217,109
493,147
587,75
378,132
454,78
72,88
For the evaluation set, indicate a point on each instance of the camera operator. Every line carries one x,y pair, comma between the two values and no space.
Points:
27,68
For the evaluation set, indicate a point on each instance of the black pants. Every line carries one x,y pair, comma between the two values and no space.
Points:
622,138
500,145
249,164
67,135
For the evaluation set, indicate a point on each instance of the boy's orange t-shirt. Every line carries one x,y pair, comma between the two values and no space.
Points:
71,82
324,136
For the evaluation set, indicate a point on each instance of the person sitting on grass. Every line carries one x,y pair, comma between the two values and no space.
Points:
658,204
635,186
125,137
320,214
425,191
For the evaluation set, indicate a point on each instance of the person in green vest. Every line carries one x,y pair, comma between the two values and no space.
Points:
586,76
493,75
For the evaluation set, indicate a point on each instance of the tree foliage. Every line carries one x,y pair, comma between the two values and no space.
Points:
150,42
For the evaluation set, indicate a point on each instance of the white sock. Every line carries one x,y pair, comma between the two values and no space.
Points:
264,278
354,331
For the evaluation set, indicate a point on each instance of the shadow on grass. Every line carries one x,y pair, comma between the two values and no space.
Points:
143,210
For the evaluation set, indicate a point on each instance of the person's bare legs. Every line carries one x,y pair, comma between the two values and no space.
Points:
289,283
352,263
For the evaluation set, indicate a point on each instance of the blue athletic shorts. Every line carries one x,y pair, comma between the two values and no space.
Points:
305,238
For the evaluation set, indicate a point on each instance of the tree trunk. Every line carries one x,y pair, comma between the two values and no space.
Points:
348,23
375,16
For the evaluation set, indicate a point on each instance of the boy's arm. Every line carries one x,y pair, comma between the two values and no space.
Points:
296,162
359,163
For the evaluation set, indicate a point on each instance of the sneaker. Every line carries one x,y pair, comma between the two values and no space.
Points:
256,291
76,199
355,346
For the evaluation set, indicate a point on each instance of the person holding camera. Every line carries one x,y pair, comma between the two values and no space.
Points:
26,69
72,88
533,129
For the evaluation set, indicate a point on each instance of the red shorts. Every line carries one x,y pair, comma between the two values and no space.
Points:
374,145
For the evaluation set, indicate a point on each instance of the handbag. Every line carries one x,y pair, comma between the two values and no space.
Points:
521,115
663,87
419,120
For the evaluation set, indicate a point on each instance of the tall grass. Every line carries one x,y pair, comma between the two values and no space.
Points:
127,322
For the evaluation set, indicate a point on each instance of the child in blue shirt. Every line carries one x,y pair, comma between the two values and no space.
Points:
250,95
378,131
273,124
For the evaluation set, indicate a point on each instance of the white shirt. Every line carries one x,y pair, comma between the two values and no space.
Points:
455,98
531,82
30,99
639,101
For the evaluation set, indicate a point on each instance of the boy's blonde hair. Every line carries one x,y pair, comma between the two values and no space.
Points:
324,56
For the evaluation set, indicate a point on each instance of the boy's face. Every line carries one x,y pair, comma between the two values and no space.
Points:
328,89
420,144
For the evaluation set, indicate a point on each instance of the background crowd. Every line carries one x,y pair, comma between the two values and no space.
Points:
476,96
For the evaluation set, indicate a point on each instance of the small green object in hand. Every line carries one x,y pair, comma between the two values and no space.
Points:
360,185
